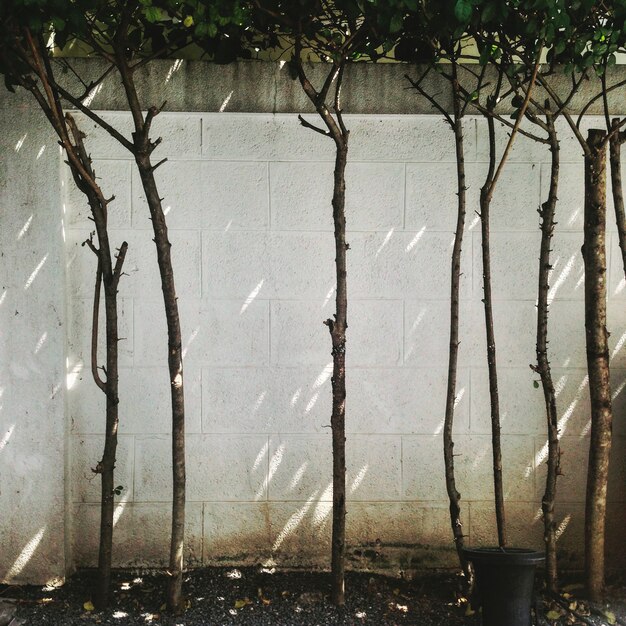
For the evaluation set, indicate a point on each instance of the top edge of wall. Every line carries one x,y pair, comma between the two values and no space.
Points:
266,87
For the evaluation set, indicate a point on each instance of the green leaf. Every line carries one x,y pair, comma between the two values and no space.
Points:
463,10
396,23
535,384
610,617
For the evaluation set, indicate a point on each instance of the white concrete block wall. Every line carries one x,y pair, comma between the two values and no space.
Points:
248,204
247,198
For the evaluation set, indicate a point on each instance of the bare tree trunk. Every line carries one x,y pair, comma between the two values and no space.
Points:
143,148
448,444
547,213
107,275
337,329
615,158
594,255
485,203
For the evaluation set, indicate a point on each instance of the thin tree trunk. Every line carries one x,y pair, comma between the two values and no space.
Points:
485,203
594,255
337,329
547,213
615,158
107,275
448,444
143,148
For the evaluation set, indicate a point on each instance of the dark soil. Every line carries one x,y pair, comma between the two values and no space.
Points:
258,596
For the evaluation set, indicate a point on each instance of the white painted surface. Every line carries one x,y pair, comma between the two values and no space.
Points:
248,203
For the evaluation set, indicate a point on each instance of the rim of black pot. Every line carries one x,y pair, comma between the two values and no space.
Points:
514,556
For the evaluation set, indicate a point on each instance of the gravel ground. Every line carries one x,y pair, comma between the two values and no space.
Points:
256,596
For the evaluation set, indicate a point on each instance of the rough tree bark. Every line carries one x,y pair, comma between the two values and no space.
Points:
615,158
485,205
337,131
547,213
448,444
143,148
594,256
34,54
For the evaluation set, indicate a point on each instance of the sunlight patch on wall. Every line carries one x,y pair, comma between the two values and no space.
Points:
73,374
415,239
92,94
6,437
253,294
226,101
20,143
193,335
175,67
324,507
565,272
293,522
563,525
260,456
385,242
275,462
41,151
3,296
26,554
619,346
620,286
32,277
25,227
358,479
41,342
297,477
329,295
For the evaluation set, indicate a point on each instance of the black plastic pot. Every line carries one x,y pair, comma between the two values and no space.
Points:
505,579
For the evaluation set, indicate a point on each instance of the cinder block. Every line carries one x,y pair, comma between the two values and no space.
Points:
401,264
515,266
145,402
570,208
262,137
273,265
301,195
181,189
79,337
373,467
236,265
523,531
515,200
86,454
142,277
224,468
514,329
236,531
431,196
300,532
424,475
403,400
300,468
567,334
475,467
98,142
522,406
424,138
214,333
235,195
266,400
571,484
427,334
300,338
141,535
181,134
114,178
